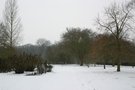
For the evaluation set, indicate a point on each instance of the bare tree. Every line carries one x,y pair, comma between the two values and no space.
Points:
12,22
118,22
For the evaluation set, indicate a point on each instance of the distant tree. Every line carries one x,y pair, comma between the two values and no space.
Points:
42,45
77,42
63,55
58,54
43,42
117,20
128,53
100,50
12,22
51,54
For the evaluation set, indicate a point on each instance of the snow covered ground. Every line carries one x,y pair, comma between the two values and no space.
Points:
72,77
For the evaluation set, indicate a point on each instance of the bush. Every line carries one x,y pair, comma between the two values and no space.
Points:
21,62
19,71
5,65
18,64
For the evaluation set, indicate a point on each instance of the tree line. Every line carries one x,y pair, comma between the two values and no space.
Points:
83,46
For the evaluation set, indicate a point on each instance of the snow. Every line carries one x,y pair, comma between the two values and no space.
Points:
72,77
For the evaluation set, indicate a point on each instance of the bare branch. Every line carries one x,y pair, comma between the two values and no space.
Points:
12,22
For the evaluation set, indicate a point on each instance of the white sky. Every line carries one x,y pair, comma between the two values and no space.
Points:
49,18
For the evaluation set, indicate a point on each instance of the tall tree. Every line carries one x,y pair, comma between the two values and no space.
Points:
12,22
117,20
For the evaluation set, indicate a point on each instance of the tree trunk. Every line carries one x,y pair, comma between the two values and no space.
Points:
81,59
118,57
104,66
118,67
81,62
94,64
113,63
105,63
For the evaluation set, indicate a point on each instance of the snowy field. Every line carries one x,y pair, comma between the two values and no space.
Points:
72,77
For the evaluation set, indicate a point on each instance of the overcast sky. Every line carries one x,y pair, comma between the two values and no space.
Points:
49,18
